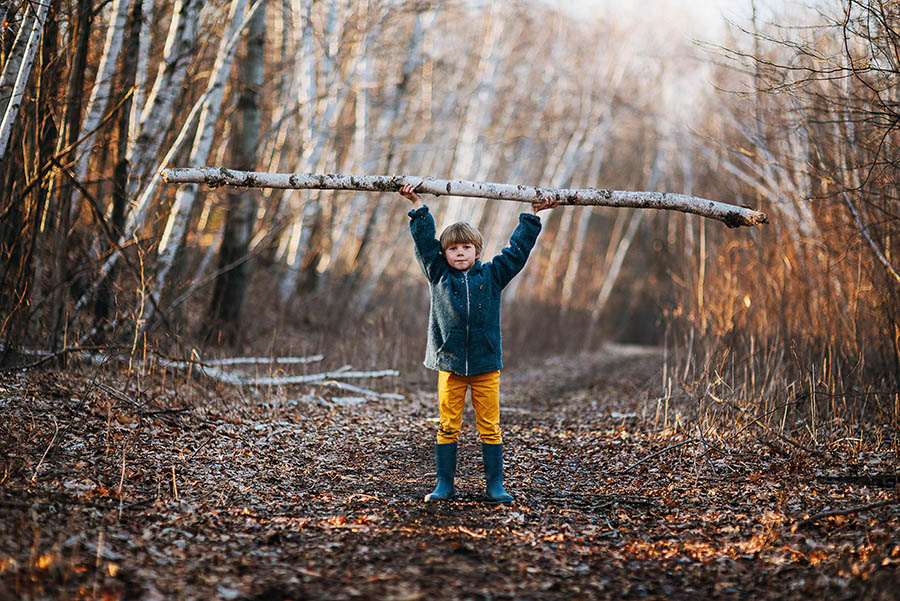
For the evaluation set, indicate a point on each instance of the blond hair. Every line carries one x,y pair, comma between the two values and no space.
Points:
461,233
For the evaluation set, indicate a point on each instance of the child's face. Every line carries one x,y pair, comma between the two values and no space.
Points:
461,256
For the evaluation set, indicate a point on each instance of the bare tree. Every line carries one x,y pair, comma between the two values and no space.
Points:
231,286
17,68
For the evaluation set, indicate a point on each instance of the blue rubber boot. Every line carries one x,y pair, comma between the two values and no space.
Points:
445,458
493,473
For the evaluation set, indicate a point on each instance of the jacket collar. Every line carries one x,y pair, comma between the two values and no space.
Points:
475,268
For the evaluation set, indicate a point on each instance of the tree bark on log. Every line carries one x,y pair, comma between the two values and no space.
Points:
730,215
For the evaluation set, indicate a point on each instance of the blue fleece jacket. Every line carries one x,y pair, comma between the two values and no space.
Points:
464,320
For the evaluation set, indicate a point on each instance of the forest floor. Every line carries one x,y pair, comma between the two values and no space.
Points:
165,488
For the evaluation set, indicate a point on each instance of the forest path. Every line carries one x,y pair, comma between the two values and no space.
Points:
243,494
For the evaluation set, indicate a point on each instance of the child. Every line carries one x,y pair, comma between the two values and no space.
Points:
464,332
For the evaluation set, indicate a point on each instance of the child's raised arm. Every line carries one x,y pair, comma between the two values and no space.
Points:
512,259
429,253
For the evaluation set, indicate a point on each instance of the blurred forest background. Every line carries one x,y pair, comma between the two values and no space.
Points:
796,113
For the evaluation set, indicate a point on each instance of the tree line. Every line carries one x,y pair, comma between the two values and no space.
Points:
800,121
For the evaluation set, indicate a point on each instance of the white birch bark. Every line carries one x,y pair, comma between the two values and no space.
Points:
730,215
157,110
17,69
141,71
276,139
100,91
389,135
324,124
172,236
143,204
15,59
571,160
612,275
544,170
296,236
478,108
781,187
209,115
570,275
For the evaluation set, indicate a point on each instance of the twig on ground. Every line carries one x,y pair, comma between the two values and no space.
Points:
885,480
364,391
264,360
846,511
657,454
205,442
47,450
121,483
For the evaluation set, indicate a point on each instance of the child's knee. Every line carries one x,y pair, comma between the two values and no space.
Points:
447,435
490,433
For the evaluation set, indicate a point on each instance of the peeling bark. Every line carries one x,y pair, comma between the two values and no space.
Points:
730,215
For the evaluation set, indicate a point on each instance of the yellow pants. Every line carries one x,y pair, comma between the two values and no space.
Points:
485,400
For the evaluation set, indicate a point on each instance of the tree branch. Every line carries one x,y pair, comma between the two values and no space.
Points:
730,215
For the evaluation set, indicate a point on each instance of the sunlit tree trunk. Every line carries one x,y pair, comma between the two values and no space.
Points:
100,92
203,137
570,161
477,111
17,69
144,11
156,112
231,286
612,274
570,276
388,137
127,79
323,121
171,240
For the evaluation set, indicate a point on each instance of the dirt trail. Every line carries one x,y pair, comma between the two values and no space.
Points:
270,495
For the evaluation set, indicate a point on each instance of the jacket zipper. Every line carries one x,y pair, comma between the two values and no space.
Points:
468,311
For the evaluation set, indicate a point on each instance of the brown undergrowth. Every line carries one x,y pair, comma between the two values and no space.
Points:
120,487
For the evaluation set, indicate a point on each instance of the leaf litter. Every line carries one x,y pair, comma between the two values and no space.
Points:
120,488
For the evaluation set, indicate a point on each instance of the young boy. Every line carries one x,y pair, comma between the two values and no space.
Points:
464,332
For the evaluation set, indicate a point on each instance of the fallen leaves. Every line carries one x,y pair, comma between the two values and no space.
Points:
285,497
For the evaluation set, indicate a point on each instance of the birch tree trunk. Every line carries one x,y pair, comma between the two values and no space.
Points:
570,275
158,108
323,124
174,231
18,67
231,286
478,107
141,69
100,92
730,215
136,217
119,204
574,154
612,274
389,135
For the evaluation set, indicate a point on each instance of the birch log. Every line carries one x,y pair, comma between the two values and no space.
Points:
730,215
